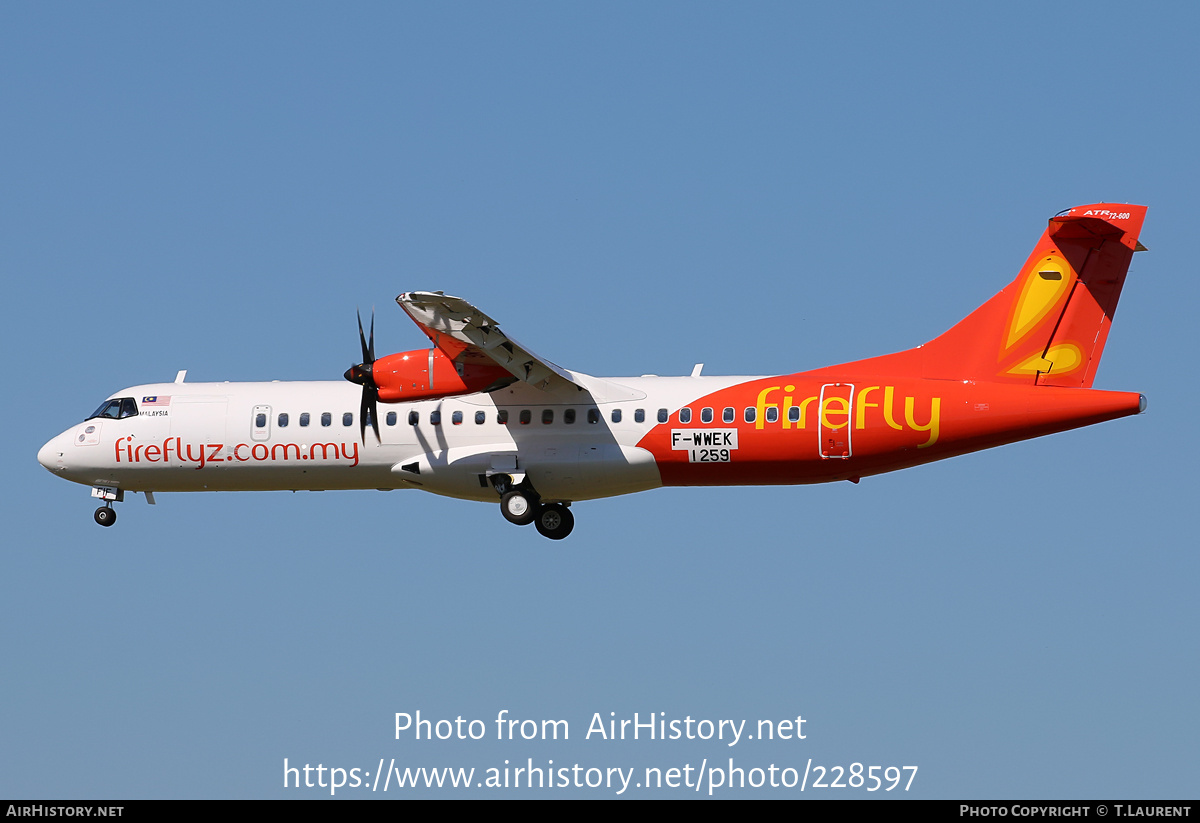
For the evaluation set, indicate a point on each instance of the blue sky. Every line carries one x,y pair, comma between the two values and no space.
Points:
628,188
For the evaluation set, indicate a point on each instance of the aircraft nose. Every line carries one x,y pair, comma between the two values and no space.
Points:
50,455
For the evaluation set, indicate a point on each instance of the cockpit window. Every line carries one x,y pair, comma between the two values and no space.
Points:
115,409
109,408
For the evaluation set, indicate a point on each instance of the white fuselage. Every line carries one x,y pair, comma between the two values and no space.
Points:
306,435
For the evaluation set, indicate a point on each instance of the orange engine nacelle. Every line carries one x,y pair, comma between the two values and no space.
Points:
427,373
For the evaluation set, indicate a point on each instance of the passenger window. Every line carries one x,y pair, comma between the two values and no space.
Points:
502,417
260,421
391,418
793,414
750,414
479,418
456,418
326,419
413,418
435,417
525,417
348,419
283,420
304,419
639,415
685,415
706,415
547,416
663,416
772,414
569,416
616,415
727,414
593,415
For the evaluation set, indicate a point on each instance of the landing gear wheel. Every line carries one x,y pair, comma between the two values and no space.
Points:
555,521
106,515
517,508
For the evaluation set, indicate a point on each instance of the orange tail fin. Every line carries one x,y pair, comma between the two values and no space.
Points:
1048,327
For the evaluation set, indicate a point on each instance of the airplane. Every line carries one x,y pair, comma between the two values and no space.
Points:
478,416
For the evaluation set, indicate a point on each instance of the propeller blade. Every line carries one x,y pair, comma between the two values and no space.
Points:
371,345
362,339
361,374
367,408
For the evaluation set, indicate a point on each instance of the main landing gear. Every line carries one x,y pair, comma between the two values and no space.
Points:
521,506
554,520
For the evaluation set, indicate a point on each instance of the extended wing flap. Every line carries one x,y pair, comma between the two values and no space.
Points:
465,334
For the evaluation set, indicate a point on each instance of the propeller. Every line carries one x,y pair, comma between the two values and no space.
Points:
363,376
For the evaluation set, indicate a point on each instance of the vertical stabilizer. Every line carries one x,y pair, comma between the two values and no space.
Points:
1047,327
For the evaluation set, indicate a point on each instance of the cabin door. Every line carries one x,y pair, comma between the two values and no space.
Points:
835,420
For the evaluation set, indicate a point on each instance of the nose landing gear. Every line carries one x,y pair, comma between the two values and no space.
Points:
106,515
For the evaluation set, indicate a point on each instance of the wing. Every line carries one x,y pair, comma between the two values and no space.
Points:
468,336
